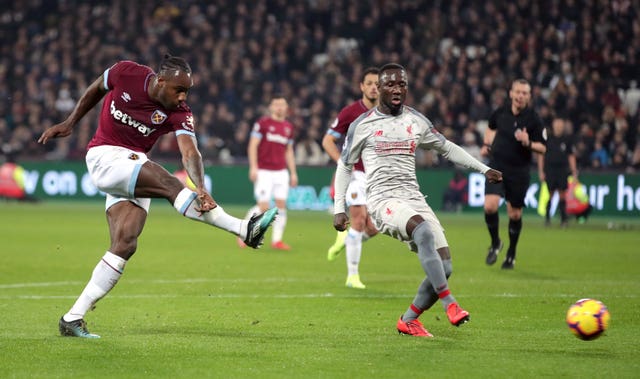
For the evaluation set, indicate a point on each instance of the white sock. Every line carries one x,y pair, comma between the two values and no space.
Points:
186,204
353,247
255,210
278,225
104,278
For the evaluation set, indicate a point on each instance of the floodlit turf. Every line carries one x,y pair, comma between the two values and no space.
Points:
191,304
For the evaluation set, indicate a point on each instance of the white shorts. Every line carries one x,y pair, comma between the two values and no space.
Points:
391,216
271,184
357,190
114,170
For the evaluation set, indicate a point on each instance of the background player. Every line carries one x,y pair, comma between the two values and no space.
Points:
272,165
362,227
386,138
555,167
140,106
515,132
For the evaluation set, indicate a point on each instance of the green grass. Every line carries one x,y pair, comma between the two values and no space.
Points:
191,304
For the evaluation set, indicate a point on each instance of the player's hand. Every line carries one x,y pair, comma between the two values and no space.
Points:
493,176
253,174
205,201
340,221
57,131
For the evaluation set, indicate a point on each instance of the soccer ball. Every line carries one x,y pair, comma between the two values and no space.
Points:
588,319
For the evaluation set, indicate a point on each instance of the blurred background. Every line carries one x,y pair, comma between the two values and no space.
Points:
580,56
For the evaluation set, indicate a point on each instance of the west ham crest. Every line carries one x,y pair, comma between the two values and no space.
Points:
158,117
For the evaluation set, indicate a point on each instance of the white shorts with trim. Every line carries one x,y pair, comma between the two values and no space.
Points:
271,184
114,170
391,216
357,189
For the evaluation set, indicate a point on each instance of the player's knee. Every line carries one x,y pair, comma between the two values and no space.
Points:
423,236
125,247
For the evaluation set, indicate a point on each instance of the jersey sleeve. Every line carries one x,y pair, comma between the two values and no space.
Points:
185,124
256,131
340,124
431,139
111,75
353,144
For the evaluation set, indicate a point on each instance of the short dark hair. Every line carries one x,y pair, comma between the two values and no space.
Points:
521,81
368,71
173,63
390,66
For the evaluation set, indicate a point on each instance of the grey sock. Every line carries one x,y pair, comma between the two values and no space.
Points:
430,260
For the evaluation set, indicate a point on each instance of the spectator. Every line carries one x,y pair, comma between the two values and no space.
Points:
456,195
462,56
309,152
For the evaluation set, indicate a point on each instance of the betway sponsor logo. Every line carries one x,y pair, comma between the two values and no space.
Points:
127,120
277,138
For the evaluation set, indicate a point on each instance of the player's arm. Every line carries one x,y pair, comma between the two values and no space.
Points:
91,96
342,178
252,155
350,154
540,162
537,147
489,136
291,165
192,162
573,166
329,144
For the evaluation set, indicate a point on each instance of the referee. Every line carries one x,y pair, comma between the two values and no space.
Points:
558,163
515,132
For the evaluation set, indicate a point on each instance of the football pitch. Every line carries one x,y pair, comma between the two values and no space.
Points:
191,304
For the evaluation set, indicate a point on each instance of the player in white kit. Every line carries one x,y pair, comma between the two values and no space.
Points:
386,138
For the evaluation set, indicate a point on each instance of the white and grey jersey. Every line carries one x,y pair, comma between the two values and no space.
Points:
387,145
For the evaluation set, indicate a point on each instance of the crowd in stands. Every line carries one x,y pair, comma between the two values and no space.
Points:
581,56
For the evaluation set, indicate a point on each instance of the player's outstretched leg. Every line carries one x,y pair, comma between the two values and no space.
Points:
76,328
257,227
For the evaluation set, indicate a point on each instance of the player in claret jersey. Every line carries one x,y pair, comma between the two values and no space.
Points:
272,165
140,106
362,227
